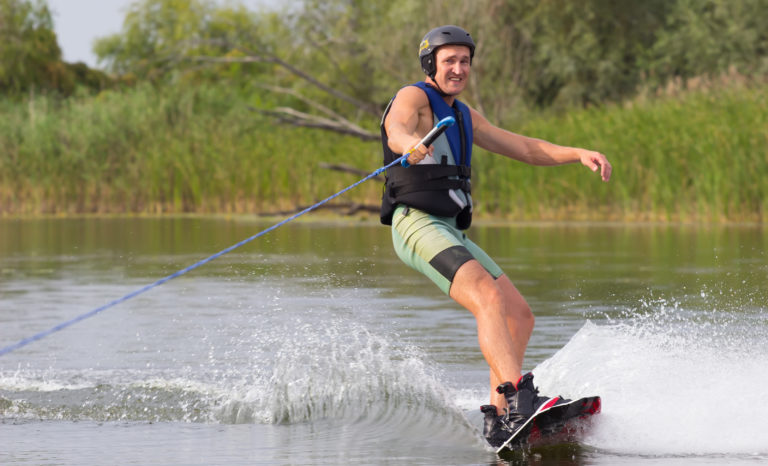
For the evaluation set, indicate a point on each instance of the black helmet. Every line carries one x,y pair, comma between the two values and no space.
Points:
437,37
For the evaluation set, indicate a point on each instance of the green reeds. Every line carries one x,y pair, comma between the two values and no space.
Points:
146,150
697,156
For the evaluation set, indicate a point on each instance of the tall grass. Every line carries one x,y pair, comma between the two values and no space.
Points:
154,151
697,156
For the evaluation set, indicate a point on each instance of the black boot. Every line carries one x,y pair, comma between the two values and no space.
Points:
523,400
494,429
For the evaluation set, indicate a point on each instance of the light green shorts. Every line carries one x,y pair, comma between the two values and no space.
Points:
435,247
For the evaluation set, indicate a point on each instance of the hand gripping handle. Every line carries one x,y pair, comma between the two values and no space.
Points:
433,134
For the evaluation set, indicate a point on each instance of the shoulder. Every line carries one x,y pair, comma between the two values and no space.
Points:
489,136
411,96
479,122
410,104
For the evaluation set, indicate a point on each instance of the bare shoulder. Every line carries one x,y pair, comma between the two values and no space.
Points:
411,107
411,96
478,120
495,139
480,126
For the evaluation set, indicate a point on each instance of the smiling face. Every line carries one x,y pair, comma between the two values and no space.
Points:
452,64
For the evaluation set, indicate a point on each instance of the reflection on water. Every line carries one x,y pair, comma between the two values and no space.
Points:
314,344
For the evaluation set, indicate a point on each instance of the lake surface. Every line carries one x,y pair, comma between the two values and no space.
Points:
315,345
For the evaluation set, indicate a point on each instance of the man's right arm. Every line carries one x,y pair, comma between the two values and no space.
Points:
404,123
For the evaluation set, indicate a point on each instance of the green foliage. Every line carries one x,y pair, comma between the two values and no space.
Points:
707,37
540,53
156,149
184,137
365,48
697,156
30,55
531,54
166,38
587,52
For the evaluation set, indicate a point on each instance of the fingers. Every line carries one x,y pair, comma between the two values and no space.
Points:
597,161
418,153
425,150
605,167
605,171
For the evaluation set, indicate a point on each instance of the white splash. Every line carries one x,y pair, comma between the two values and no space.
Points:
672,382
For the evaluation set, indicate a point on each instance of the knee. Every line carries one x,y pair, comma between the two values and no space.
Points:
520,313
527,317
495,299
489,302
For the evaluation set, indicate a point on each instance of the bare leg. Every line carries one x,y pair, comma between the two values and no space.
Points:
504,322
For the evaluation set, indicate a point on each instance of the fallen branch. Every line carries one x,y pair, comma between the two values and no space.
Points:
299,118
331,121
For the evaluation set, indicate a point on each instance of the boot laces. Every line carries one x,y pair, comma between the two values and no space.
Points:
506,419
505,422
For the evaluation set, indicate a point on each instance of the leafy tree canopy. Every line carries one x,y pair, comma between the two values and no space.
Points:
347,57
30,57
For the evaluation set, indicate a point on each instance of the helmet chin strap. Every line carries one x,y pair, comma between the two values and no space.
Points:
436,86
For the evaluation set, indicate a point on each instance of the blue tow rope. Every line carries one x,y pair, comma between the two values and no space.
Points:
441,126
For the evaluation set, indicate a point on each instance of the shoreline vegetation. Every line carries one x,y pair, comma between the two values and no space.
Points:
214,108
691,156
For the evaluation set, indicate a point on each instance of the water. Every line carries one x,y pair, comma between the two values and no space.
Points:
315,345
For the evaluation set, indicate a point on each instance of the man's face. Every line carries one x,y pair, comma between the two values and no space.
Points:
452,68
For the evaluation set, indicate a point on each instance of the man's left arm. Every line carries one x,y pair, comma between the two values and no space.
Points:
534,151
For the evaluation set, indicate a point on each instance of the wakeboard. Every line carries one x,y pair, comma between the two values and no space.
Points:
555,423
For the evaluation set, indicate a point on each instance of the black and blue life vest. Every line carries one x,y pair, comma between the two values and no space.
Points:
433,187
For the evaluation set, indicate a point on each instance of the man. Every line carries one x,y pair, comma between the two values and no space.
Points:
428,203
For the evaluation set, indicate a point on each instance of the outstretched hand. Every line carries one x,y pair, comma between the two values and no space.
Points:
596,161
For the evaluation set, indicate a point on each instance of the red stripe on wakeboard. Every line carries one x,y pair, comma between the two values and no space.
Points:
549,403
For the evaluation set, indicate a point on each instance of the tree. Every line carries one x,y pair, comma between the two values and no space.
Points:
30,56
343,59
159,36
707,37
